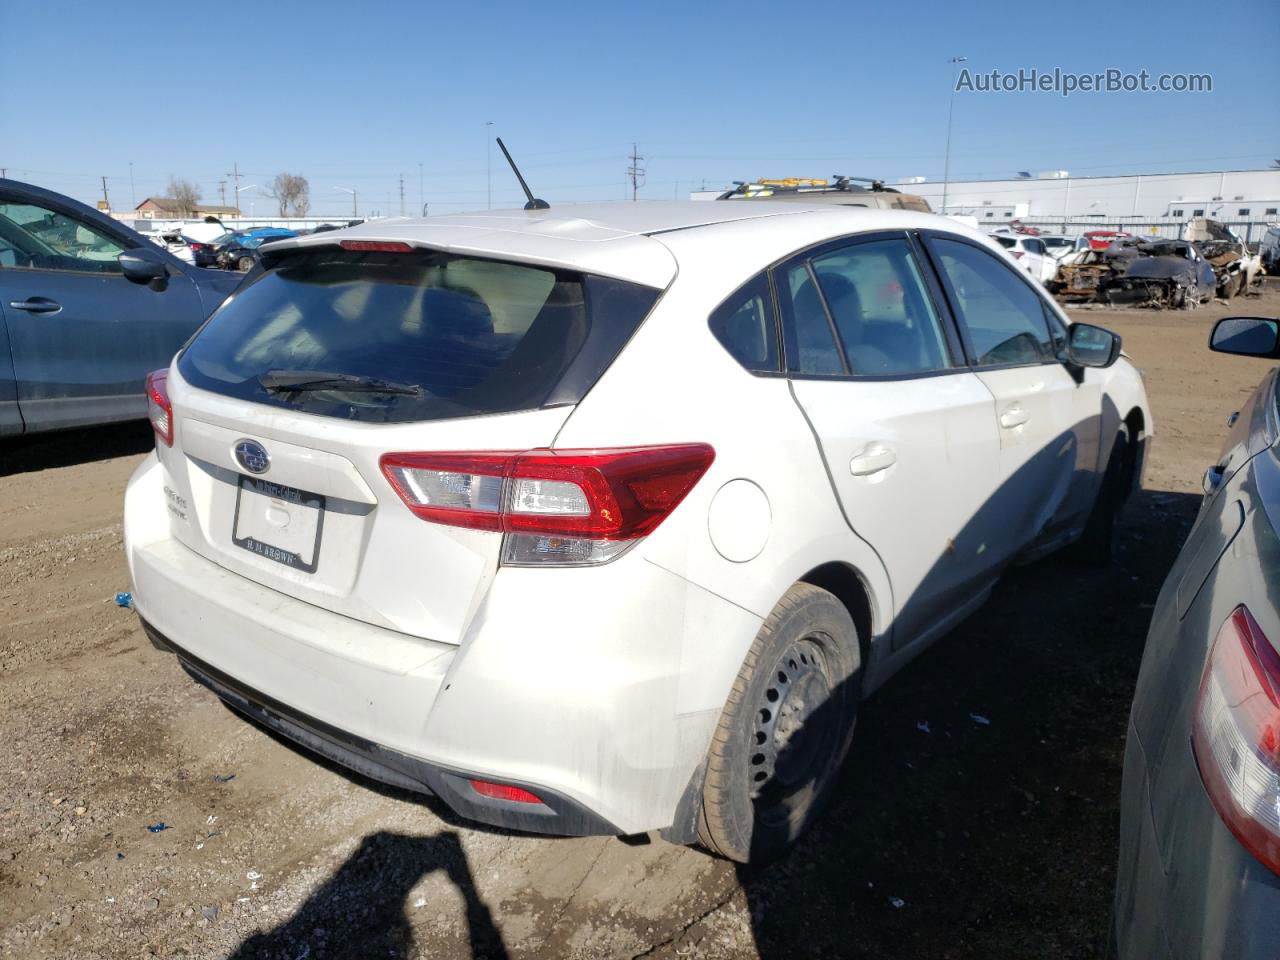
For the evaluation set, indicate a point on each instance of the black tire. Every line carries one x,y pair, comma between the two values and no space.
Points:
785,729
1096,547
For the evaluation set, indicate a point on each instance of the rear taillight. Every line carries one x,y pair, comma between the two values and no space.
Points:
159,409
1017,254
556,506
1236,734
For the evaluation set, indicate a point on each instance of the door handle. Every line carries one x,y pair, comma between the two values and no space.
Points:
873,459
37,305
1015,416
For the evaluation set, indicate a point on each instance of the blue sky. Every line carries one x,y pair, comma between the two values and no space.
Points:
354,95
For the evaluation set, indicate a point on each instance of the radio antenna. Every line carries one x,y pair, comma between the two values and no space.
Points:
533,203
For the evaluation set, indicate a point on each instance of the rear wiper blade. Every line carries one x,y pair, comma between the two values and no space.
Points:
297,381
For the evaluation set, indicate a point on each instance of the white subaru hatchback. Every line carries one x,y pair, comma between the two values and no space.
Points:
605,519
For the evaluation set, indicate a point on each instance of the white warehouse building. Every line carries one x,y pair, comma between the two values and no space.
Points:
1227,195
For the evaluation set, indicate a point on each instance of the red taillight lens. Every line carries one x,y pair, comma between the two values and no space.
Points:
196,247
1017,254
1236,734
504,791
376,246
613,495
159,409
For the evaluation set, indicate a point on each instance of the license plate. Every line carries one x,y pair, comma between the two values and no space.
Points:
278,522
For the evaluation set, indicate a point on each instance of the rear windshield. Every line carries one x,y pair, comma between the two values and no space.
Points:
448,336
1007,242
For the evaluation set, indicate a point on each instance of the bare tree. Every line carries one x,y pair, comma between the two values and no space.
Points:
186,193
291,193
302,197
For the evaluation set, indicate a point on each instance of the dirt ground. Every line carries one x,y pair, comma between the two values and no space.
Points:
965,840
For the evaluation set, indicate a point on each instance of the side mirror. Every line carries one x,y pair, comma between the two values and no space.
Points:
143,266
1090,346
1246,337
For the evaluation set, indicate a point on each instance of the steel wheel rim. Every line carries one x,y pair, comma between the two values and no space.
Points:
793,733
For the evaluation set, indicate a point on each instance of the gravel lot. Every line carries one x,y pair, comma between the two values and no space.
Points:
968,840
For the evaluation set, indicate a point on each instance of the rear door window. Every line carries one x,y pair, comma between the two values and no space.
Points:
810,342
428,335
1003,316
882,309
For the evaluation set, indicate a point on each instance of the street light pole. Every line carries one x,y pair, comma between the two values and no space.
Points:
946,162
240,190
488,166
354,214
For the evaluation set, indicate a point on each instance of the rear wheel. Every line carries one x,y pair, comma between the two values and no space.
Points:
1096,546
785,729
244,264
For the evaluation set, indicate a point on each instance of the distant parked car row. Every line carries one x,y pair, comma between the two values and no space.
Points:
230,249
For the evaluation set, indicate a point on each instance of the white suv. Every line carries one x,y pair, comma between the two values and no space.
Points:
1031,255
605,519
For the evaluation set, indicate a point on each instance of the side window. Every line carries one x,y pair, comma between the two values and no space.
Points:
1004,317
744,326
882,309
43,239
811,346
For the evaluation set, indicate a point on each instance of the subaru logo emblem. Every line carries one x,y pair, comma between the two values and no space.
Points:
252,456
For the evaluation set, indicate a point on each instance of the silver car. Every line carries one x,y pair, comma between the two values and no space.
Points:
1199,873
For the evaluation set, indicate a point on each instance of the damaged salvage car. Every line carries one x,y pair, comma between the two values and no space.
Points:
607,519
1234,268
1163,273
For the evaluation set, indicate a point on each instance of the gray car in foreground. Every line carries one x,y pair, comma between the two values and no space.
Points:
1199,872
88,307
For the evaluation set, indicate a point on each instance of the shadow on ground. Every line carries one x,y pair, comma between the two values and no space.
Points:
65,448
978,811
360,911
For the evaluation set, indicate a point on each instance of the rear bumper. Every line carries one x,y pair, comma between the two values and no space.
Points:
598,689
556,814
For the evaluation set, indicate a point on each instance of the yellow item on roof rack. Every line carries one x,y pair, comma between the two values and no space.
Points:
793,182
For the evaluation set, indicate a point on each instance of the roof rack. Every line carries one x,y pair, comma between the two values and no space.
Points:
839,182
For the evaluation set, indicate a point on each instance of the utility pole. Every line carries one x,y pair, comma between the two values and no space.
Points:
133,197
235,175
946,162
222,192
4,172
422,198
105,199
488,166
635,172
402,194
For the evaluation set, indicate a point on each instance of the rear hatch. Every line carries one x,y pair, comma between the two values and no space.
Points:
284,403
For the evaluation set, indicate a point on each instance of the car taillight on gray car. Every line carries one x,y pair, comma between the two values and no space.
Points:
1236,734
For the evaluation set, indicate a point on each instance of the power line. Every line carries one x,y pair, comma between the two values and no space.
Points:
635,172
